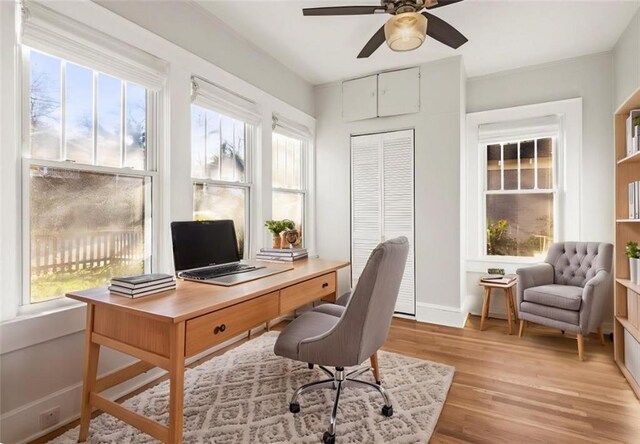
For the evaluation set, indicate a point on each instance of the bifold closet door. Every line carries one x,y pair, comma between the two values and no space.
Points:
382,202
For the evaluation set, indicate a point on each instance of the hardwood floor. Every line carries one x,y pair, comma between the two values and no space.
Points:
517,390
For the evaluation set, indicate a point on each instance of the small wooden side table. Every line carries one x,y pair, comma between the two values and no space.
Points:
509,296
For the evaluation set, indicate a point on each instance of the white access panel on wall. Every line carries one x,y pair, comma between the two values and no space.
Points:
360,99
399,92
382,202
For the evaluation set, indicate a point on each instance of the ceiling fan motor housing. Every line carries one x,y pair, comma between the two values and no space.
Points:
401,6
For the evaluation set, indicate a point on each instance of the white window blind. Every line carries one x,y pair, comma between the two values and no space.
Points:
382,202
63,37
210,96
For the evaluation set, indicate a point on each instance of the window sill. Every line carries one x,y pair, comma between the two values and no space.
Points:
509,263
40,323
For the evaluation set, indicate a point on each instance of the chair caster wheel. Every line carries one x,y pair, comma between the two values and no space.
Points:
328,438
310,366
294,407
387,411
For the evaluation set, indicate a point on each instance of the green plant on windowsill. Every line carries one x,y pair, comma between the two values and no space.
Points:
636,121
276,227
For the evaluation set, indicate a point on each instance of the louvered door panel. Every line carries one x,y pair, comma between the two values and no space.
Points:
398,205
366,218
382,201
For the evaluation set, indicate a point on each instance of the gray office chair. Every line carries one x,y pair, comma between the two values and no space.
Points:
351,338
569,291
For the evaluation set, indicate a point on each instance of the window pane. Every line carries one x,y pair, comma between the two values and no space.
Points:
136,126
79,113
109,121
198,130
510,156
84,229
287,162
214,203
527,165
494,173
545,163
212,145
290,206
519,224
44,106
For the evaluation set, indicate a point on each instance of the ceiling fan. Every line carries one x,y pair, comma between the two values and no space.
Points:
406,29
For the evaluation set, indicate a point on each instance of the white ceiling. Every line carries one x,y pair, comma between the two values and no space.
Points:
503,34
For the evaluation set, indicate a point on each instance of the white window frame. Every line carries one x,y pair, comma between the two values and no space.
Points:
149,173
553,190
251,137
568,163
305,146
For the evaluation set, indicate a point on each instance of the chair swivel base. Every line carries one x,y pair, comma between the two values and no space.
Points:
338,381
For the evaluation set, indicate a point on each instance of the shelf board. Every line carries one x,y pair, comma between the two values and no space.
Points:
630,285
634,158
633,331
627,221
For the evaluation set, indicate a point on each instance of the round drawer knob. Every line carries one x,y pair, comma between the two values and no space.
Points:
219,329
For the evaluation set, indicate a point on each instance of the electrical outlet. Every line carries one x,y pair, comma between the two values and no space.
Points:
49,418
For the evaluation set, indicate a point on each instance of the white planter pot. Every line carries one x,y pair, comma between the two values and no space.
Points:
637,281
634,267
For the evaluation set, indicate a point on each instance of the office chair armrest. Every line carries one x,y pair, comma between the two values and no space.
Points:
533,276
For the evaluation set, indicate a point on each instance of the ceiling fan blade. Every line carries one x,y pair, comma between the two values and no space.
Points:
373,44
342,10
442,3
444,32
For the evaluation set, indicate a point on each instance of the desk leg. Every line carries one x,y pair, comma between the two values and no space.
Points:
90,370
176,381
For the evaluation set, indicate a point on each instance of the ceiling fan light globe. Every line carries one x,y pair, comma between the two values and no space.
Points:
406,31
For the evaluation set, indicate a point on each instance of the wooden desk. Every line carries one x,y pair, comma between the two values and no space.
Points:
162,330
509,298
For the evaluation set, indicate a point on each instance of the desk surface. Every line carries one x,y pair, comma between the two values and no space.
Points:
191,299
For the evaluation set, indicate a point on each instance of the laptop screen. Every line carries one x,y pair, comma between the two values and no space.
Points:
202,243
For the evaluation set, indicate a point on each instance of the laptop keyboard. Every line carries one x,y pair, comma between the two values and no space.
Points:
210,273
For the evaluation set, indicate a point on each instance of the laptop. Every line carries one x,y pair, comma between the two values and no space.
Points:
207,252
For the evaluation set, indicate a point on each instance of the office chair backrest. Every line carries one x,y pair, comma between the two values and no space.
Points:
370,309
574,263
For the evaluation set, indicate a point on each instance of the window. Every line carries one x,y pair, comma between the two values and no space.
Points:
220,171
520,197
87,177
289,180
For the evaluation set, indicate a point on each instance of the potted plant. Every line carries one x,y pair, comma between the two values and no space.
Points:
633,253
276,227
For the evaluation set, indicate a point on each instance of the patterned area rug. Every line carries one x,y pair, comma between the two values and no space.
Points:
243,397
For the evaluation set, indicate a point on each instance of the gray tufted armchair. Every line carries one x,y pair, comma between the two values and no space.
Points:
569,291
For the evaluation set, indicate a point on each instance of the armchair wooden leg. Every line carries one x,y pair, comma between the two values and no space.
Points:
522,325
376,369
601,334
580,339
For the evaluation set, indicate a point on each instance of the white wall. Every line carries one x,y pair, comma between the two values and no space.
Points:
437,184
190,26
589,77
40,353
627,61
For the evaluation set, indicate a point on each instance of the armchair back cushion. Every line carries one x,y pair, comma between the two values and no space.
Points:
575,263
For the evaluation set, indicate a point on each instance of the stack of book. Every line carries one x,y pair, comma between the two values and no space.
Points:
281,254
499,279
634,200
142,285
633,132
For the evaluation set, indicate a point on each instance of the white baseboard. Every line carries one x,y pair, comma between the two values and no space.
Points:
440,314
22,424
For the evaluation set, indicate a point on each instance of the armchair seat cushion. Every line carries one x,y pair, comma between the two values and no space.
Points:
565,297
551,313
308,325
330,309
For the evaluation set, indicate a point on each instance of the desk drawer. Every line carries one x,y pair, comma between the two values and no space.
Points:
211,329
308,291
